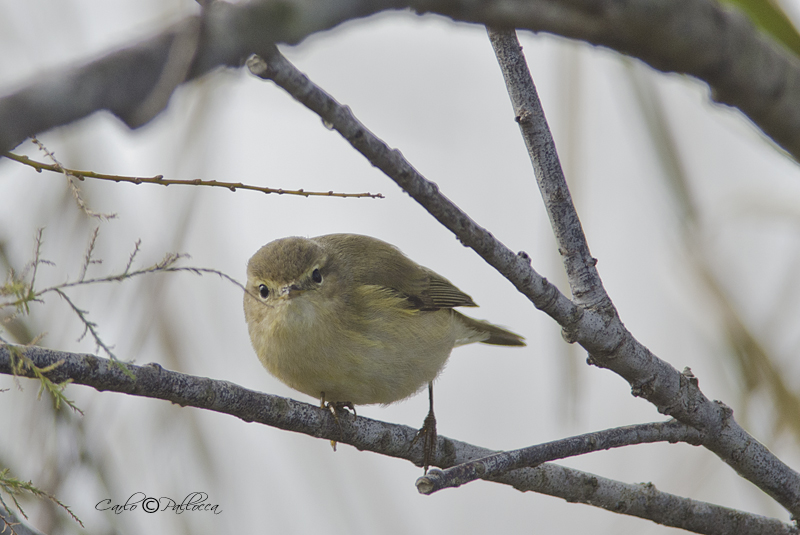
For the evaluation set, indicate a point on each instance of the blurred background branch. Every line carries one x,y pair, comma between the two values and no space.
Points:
743,67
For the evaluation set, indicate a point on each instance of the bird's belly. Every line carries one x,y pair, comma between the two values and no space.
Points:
364,366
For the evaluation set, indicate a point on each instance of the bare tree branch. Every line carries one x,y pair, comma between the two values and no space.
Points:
161,181
131,83
596,326
693,36
656,381
489,467
719,46
516,267
153,381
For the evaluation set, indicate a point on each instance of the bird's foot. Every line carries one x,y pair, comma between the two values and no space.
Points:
429,439
336,407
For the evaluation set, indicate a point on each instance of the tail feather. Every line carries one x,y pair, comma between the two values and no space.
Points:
495,335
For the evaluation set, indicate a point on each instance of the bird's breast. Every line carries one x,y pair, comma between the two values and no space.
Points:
370,352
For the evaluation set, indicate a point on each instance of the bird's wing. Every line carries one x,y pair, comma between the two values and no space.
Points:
385,265
441,293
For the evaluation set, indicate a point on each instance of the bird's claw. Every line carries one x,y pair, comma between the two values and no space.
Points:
335,407
429,440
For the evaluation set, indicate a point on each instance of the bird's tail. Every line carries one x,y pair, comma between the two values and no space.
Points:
495,335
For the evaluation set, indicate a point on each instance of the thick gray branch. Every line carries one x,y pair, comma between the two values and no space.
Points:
516,267
698,37
585,284
612,346
598,329
153,381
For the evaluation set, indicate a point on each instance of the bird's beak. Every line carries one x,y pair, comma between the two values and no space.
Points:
291,291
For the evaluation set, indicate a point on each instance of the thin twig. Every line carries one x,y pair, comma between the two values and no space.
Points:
76,192
160,180
133,256
500,463
87,259
15,487
37,256
88,326
26,293
164,266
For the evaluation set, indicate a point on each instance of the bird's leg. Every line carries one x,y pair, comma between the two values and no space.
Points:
335,407
428,434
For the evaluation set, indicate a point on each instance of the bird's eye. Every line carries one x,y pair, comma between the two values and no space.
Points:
316,276
263,291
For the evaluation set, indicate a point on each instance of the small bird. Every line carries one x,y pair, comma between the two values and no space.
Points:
351,320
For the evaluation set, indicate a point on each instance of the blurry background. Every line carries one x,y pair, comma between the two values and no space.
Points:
691,211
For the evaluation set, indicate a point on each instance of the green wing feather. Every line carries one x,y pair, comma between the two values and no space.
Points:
388,267
370,261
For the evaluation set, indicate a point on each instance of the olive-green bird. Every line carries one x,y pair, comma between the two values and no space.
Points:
351,320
